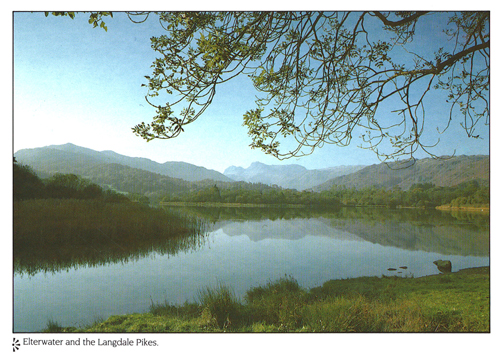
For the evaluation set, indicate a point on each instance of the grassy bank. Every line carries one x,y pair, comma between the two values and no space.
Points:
453,302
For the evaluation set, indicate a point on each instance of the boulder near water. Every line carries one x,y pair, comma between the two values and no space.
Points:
443,265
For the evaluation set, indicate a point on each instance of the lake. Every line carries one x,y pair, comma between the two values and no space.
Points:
248,247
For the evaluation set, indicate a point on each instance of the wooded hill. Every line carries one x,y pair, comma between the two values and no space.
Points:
440,172
171,180
153,185
103,169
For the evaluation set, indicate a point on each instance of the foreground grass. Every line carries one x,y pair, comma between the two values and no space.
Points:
454,302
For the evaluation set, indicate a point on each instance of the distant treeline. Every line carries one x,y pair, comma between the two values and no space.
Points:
469,193
258,196
27,186
419,195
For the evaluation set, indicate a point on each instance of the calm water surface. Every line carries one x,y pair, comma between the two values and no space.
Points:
244,249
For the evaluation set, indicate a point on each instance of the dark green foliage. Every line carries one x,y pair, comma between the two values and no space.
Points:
419,195
27,185
71,186
258,194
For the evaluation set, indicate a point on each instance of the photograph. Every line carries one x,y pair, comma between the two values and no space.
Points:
225,172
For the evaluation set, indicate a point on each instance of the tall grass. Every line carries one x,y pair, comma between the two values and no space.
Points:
53,327
457,302
277,303
52,234
220,307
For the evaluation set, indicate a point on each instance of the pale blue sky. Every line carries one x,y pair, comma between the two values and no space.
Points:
74,83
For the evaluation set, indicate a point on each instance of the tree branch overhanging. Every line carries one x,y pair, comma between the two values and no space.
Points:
320,77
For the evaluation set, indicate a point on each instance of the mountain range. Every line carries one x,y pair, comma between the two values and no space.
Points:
142,175
291,176
69,158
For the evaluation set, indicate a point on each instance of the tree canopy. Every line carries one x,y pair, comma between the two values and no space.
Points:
322,77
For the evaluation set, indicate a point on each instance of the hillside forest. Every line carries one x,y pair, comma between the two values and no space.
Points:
28,185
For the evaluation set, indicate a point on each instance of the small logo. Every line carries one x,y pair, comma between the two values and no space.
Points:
15,345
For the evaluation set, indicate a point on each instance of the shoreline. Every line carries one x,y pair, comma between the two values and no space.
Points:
423,304
464,208
485,209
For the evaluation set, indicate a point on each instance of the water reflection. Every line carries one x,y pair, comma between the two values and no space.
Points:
464,234
425,230
243,249
51,239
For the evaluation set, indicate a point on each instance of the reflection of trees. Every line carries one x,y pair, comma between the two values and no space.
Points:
413,229
469,220
418,229
440,238
416,216
217,214
53,235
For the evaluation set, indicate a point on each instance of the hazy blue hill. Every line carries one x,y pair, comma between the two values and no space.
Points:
48,160
263,173
191,172
69,158
441,172
318,176
291,176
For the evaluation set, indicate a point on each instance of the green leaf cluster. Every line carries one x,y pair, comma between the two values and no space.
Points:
95,18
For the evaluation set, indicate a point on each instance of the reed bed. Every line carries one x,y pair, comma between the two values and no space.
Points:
54,234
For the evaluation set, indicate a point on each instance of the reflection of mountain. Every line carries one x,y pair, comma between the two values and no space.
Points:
445,233
285,229
445,239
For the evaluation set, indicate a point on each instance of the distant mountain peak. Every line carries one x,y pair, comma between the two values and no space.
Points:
71,158
291,176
